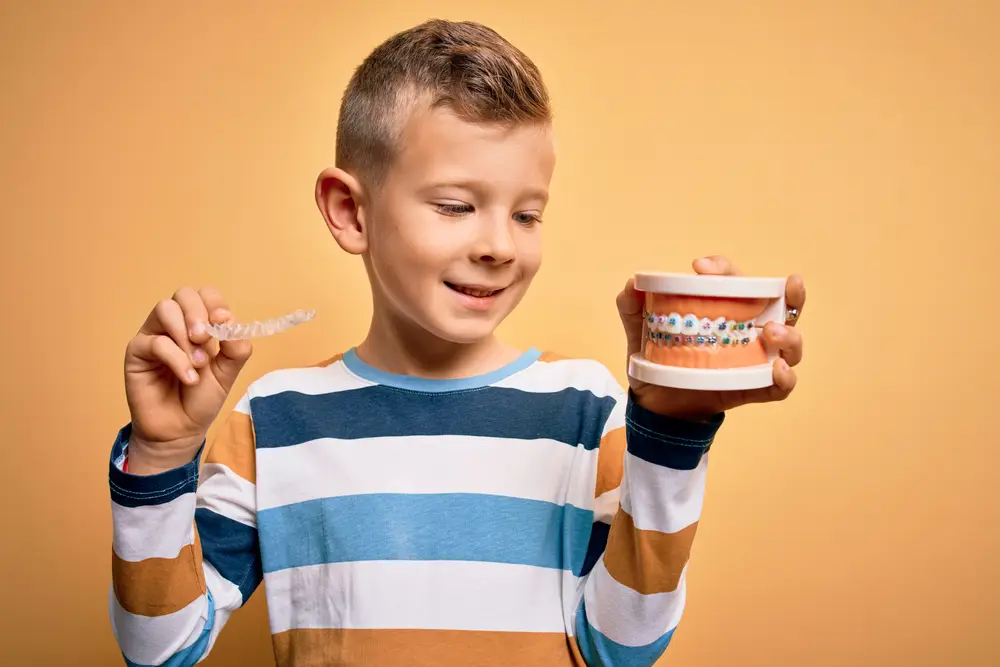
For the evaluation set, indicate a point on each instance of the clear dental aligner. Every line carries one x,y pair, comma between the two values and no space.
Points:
673,329
234,331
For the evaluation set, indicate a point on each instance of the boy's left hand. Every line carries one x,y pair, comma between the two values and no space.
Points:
690,404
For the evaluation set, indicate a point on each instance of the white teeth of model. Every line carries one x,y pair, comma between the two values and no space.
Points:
731,328
705,327
690,325
673,324
750,332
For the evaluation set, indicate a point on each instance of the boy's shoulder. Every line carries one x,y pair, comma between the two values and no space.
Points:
312,377
582,372
556,373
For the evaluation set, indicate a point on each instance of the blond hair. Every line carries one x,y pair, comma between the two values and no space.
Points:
464,66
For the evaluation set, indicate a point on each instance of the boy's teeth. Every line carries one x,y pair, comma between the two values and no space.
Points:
472,292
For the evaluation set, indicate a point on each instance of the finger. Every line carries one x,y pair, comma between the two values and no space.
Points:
167,319
795,296
195,313
163,349
783,378
211,300
220,313
195,317
715,265
629,303
785,340
232,356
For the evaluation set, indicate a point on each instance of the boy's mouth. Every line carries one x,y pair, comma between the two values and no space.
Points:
477,291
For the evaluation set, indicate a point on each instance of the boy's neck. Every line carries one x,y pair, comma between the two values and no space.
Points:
393,346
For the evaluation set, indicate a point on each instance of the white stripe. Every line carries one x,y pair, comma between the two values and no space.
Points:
432,595
153,531
227,598
661,498
534,469
243,405
616,419
150,640
226,493
553,376
627,616
312,381
606,505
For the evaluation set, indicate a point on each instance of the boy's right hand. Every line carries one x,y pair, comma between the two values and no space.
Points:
177,379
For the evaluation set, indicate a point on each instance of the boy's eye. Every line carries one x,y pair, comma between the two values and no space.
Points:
454,209
526,218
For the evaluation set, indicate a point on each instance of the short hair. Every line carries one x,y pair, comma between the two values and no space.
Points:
464,66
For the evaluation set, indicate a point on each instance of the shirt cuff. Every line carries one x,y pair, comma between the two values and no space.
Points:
668,441
131,490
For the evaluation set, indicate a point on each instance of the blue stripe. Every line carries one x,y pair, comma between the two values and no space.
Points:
189,656
595,547
571,416
415,383
460,527
232,549
667,441
140,490
599,651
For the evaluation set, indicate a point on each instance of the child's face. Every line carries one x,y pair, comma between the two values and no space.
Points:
455,219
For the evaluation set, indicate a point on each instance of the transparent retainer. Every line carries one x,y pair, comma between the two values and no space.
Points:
704,332
245,331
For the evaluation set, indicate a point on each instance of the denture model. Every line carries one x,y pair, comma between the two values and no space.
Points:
702,332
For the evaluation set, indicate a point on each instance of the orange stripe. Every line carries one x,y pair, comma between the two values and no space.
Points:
647,561
551,356
159,586
234,446
610,461
419,648
327,362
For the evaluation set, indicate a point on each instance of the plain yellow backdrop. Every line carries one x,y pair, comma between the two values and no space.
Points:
144,146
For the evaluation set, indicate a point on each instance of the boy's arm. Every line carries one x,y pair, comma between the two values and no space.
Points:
634,596
185,555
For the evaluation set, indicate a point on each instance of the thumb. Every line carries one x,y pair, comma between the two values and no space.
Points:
630,310
232,357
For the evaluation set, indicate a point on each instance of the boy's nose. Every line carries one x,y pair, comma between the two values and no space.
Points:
495,245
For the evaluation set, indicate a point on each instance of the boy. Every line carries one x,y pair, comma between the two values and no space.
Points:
432,496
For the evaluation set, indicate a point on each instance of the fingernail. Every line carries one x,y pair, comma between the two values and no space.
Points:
780,331
192,375
198,355
198,329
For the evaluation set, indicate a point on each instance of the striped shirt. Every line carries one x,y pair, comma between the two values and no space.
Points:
535,515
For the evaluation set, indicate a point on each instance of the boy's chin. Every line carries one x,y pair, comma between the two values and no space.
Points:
466,333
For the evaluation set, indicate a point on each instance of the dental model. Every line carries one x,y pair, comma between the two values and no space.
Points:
234,331
701,332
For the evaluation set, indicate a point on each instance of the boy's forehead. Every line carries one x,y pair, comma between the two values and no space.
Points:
439,144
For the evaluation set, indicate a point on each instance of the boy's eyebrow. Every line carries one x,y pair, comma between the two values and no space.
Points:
477,187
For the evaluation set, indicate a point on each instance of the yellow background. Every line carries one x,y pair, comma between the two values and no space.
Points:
147,145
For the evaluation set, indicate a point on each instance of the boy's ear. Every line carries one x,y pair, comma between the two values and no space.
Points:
340,198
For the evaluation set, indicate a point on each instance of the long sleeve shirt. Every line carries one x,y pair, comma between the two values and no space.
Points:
535,515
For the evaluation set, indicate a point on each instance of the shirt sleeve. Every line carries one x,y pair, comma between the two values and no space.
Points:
650,486
185,553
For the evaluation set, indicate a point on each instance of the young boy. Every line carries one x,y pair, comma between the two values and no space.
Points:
432,496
